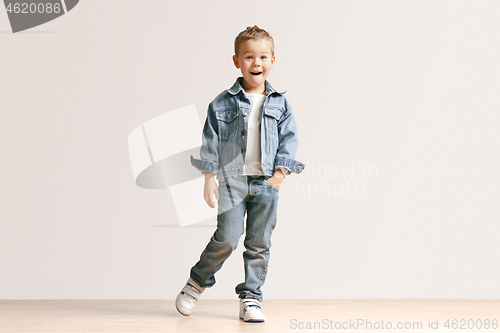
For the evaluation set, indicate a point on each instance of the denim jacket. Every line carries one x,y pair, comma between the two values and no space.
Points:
224,141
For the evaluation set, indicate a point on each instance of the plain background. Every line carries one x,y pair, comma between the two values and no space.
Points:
407,89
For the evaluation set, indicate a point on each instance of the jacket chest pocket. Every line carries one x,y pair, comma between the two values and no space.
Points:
271,118
228,123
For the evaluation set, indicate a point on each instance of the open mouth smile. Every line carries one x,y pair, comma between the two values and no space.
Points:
255,73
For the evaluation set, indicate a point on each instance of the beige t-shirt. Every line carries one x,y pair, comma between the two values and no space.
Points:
253,155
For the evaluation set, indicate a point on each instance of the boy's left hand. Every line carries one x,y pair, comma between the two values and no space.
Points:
276,179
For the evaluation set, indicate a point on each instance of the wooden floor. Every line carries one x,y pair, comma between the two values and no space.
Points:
222,316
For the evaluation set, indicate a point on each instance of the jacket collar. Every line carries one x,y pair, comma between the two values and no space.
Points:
236,88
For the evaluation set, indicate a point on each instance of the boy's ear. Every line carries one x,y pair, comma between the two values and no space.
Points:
236,63
272,61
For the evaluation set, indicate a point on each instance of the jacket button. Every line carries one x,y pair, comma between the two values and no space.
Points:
244,114
242,150
243,133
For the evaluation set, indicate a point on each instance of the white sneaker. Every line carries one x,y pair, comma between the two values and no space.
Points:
250,310
187,298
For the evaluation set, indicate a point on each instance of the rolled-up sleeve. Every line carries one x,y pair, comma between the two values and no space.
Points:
288,144
209,156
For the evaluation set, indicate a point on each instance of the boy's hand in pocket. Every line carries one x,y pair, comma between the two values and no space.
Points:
277,178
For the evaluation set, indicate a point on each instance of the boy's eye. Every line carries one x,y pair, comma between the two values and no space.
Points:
263,57
249,57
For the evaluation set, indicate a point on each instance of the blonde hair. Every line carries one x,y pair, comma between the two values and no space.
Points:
252,33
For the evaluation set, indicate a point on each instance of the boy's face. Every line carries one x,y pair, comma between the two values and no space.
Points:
255,60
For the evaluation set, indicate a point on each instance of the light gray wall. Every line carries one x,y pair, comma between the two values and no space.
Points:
405,93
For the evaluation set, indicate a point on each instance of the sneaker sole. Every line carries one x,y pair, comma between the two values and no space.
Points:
180,311
252,320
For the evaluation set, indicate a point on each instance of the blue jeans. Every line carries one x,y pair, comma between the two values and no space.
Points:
237,195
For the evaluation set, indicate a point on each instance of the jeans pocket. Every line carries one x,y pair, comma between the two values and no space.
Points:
266,183
224,180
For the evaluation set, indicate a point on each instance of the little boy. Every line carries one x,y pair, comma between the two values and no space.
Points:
249,143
